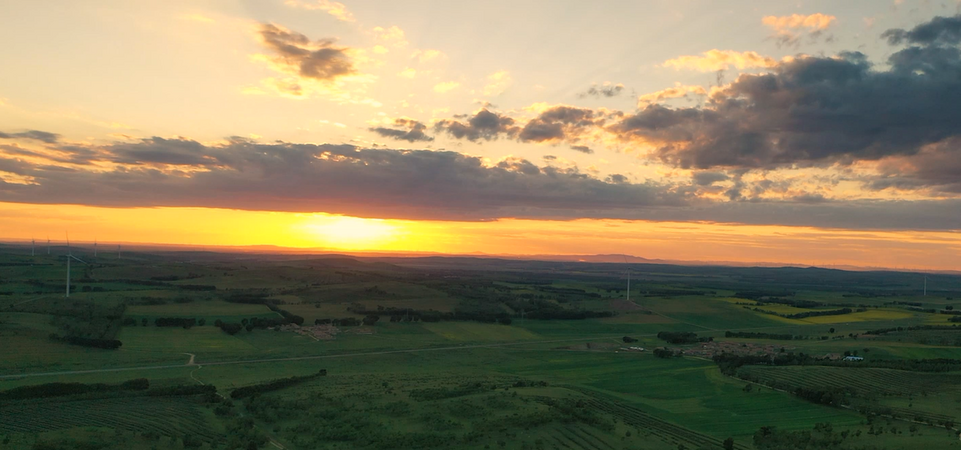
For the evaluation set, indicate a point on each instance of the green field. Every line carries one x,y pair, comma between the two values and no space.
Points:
463,353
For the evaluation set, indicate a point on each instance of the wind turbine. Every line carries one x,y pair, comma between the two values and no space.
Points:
628,284
925,285
94,247
33,247
118,251
70,257
48,244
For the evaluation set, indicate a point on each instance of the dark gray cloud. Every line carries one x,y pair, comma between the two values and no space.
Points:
484,125
36,135
319,60
411,131
560,123
582,148
938,31
937,167
606,90
708,178
812,111
931,215
413,184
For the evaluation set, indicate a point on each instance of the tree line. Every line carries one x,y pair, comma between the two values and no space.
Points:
273,385
63,389
682,337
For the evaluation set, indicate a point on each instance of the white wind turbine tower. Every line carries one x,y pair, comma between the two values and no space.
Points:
70,257
33,247
628,284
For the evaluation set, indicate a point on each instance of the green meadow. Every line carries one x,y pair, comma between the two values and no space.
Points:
417,354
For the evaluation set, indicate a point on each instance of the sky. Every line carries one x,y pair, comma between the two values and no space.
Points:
805,132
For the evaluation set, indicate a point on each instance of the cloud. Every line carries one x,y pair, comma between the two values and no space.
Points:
812,111
497,83
446,86
335,9
605,90
560,123
678,91
343,179
936,167
715,60
412,184
582,148
407,73
411,131
394,36
788,30
427,55
319,60
36,135
939,31
706,178
484,125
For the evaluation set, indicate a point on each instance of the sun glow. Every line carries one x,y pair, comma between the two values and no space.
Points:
351,233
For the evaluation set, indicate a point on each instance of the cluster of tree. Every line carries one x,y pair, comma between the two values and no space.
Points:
763,295
484,301
290,318
273,385
345,322
459,315
832,396
755,335
229,328
254,323
175,277
628,339
831,312
728,363
791,302
822,437
682,337
666,353
918,304
107,344
63,389
567,291
881,331
529,383
178,322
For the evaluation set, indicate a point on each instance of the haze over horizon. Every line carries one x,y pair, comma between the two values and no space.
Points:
818,133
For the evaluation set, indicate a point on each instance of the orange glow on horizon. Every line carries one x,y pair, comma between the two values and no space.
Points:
679,241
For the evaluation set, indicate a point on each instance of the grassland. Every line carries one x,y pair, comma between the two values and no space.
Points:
561,380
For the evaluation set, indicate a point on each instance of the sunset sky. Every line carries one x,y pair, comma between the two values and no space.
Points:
810,132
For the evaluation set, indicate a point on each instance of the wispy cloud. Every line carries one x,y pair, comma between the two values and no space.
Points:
715,60
335,9
788,30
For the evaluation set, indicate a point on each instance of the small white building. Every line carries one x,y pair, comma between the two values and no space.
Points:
853,358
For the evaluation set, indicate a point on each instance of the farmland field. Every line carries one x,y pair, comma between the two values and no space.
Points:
465,353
